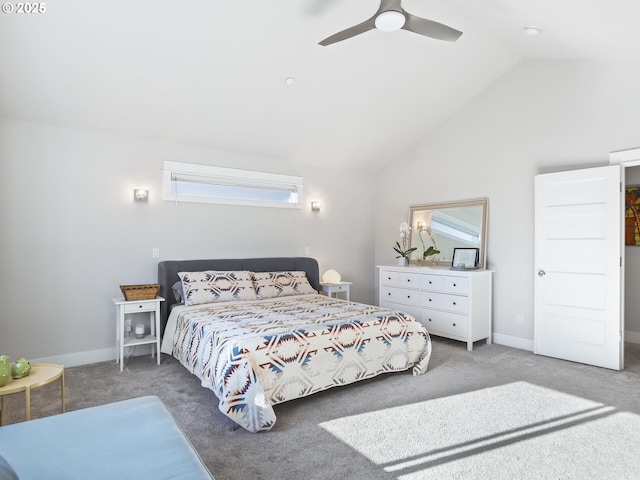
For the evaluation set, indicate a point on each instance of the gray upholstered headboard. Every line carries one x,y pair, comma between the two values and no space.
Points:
168,273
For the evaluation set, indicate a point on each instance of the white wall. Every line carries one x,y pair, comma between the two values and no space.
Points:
71,233
541,116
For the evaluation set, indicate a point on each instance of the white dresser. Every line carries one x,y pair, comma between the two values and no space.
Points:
450,303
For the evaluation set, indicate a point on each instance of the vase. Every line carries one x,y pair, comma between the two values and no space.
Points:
5,370
20,369
403,261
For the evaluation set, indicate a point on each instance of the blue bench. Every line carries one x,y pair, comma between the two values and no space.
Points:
132,439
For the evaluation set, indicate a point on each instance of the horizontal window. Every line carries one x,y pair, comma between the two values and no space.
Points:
188,182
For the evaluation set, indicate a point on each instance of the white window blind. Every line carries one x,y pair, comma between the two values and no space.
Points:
188,182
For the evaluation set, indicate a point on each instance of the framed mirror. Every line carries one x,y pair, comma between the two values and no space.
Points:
449,225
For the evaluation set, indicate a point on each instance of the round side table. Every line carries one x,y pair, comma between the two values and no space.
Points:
41,374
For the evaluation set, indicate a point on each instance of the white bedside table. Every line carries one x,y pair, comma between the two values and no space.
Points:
124,308
331,288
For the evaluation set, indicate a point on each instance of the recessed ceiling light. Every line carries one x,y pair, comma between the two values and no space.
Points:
532,30
289,80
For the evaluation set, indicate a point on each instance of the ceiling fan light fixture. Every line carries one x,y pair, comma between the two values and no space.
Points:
390,21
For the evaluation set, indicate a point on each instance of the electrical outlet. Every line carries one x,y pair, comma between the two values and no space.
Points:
307,251
520,319
155,253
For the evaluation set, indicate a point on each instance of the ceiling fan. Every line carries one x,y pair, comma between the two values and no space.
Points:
391,17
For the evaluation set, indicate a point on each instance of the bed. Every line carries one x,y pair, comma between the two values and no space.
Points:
257,333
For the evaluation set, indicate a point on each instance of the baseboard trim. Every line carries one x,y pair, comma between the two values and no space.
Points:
526,344
631,337
92,356
514,342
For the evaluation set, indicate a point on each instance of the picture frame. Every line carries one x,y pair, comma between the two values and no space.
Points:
632,215
465,258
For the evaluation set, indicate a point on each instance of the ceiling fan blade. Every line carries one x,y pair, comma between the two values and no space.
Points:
350,32
390,5
430,28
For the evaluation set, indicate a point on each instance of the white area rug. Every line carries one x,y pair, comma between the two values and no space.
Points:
517,430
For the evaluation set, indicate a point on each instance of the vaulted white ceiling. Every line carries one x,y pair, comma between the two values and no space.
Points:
212,74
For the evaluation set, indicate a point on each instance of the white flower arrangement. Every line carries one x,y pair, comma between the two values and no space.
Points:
402,250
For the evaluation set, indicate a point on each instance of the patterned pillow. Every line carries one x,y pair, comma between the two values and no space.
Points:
212,286
281,284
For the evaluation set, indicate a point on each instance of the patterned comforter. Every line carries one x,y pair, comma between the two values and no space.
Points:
255,354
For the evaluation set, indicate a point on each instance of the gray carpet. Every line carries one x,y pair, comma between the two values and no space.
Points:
493,413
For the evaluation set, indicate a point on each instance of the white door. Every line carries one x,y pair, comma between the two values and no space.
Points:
579,266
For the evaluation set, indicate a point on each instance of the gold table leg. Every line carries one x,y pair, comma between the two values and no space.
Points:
27,396
62,390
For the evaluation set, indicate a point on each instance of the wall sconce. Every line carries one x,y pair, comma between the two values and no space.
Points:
420,225
316,205
140,195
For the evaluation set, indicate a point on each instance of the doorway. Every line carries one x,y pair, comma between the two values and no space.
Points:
632,273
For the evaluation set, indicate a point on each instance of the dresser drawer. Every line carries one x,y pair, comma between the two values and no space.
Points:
442,301
139,307
339,288
459,285
432,282
410,280
445,323
412,310
399,295
390,278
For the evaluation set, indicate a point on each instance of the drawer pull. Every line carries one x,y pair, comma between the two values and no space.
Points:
454,285
389,293
454,324
408,280
454,303
139,306
408,296
429,299
388,278
429,319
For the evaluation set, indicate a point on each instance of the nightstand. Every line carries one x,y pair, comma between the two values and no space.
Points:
128,339
331,288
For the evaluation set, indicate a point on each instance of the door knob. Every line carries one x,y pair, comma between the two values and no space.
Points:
541,273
